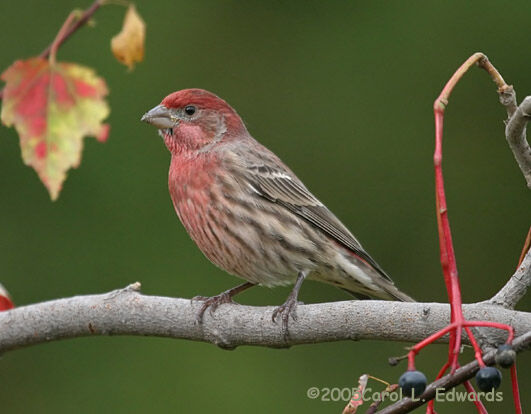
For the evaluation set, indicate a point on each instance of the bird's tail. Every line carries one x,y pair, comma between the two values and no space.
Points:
390,292
396,294
386,288
381,286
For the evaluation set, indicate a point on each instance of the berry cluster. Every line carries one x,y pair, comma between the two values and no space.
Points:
413,383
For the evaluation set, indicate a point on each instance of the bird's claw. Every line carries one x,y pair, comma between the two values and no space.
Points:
284,311
211,303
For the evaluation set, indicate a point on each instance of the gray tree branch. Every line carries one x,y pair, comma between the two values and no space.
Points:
515,131
128,312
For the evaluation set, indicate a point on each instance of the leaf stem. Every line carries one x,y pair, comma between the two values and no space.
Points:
59,40
83,19
60,35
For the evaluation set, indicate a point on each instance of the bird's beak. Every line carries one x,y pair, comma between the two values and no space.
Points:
160,117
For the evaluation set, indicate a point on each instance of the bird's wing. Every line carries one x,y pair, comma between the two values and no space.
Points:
276,183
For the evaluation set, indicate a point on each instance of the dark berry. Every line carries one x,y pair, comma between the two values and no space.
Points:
413,383
488,378
505,356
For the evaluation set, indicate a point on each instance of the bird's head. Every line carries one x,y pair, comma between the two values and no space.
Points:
192,119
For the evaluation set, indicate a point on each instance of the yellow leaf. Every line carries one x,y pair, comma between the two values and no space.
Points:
128,45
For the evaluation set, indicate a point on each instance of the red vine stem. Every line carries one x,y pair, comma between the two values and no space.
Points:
477,401
453,326
516,391
468,386
69,30
448,261
447,253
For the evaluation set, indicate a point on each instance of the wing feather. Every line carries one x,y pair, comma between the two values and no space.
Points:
281,186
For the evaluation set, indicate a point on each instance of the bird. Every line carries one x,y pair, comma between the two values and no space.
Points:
250,214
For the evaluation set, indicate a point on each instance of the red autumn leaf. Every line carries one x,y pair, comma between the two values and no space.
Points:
5,301
53,106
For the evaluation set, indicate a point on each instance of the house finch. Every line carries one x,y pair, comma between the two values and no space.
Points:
249,213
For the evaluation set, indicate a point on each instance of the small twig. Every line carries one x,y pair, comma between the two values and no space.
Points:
507,97
515,132
518,117
516,287
83,19
526,248
373,408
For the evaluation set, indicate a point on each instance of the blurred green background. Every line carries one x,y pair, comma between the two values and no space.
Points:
343,92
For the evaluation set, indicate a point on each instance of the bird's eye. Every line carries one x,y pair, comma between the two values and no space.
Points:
190,110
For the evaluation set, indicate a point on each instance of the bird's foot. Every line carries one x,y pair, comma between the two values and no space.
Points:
284,311
214,301
211,303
